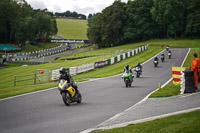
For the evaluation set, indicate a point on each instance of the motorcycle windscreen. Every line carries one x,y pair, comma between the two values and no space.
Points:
62,83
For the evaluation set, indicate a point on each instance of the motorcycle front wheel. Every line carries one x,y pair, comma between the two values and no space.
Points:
127,83
66,98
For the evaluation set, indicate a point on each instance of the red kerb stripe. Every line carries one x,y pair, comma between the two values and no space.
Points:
176,72
176,79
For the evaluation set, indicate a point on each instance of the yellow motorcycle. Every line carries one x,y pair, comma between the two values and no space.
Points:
68,93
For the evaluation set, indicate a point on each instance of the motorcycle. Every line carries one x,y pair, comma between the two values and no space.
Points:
128,79
167,48
68,93
155,63
138,71
162,57
169,54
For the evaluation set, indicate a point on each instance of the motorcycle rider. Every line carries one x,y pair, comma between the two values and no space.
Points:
167,47
169,53
163,56
66,76
140,66
156,59
128,69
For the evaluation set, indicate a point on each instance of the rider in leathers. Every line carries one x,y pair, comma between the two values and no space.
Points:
66,76
140,66
127,68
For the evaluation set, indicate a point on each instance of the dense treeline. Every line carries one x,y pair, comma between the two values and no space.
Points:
19,23
69,14
144,19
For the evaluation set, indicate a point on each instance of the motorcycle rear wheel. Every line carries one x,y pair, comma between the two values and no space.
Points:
66,98
138,75
79,98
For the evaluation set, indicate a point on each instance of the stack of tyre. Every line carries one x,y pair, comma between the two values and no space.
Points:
189,81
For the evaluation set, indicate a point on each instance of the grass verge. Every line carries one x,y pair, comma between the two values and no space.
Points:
182,123
169,90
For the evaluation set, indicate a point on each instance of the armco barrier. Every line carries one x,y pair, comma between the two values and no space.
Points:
73,70
112,60
100,64
88,67
85,68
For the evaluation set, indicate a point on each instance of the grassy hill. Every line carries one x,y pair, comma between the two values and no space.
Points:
72,28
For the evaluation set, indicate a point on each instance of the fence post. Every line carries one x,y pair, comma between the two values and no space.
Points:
35,78
14,80
48,75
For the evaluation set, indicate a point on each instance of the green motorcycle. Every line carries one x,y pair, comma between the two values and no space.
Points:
128,79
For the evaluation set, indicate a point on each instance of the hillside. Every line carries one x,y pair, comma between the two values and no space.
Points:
72,28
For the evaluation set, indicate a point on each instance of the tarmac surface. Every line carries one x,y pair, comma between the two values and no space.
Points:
152,108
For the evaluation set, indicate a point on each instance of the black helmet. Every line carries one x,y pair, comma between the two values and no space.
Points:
62,70
195,55
127,66
138,63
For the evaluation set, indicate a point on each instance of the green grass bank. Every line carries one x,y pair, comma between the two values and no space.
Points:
182,123
72,28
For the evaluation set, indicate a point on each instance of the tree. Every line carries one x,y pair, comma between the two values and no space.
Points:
26,30
139,24
94,29
20,23
114,18
44,25
193,18
89,16
4,22
169,14
108,26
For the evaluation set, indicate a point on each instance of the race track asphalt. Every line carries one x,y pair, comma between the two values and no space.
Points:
45,112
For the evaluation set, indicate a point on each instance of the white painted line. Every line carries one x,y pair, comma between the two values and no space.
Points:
27,94
185,57
141,120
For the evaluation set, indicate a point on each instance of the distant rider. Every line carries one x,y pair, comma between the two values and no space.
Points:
140,66
156,59
167,47
163,55
66,76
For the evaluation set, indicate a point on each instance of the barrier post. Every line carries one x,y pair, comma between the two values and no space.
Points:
35,78
14,80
